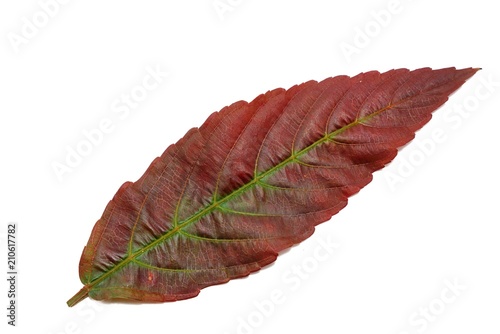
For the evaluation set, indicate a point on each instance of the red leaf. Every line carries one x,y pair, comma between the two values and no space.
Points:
253,180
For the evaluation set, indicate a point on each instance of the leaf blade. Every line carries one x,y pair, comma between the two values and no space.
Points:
254,179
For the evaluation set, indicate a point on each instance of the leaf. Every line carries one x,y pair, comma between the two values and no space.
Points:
253,180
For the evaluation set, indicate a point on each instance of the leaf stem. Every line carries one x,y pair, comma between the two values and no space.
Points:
80,295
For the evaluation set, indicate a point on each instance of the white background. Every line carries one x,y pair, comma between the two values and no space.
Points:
399,242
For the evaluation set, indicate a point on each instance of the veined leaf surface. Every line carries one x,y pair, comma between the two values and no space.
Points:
253,180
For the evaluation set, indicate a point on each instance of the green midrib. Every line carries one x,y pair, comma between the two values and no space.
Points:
217,203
